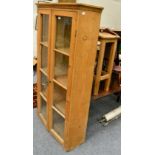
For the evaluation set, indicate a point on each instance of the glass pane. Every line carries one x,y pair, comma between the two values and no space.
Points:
43,108
63,33
44,37
59,98
44,84
44,58
58,124
61,68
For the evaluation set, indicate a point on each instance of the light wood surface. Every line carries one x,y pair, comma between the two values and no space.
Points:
82,77
70,6
58,71
59,99
58,82
105,93
58,124
106,35
109,40
69,70
41,67
110,65
67,1
64,51
61,106
57,136
99,68
45,43
62,79
43,96
106,76
44,71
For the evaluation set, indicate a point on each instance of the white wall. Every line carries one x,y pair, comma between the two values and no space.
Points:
111,15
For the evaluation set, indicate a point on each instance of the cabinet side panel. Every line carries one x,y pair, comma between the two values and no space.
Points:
82,78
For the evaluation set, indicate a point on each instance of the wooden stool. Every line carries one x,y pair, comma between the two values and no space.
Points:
101,74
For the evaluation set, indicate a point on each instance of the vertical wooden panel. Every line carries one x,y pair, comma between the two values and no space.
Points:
111,63
39,58
83,65
99,68
39,36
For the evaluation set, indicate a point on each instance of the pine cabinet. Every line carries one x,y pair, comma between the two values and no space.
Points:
67,39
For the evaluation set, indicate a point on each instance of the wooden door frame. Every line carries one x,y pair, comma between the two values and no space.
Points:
73,15
40,13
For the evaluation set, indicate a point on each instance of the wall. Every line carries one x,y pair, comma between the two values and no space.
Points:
111,15
34,31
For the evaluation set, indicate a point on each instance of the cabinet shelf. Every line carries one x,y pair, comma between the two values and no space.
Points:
60,83
44,93
44,43
44,71
43,111
43,96
58,124
59,100
64,51
56,135
62,79
60,108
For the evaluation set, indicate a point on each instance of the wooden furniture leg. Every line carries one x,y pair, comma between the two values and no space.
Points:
110,65
99,68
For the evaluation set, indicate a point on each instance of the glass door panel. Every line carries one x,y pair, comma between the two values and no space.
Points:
61,68
43,31
58,124
43,108
44,41
63,33
45,21
44,58
44,84
59,99
61,58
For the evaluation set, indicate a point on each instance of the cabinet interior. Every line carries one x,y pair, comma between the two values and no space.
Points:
63,33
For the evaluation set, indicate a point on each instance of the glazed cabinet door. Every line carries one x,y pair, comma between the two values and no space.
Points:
44,23
63,41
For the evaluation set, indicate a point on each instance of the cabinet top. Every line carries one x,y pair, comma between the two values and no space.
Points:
71,6
106,35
